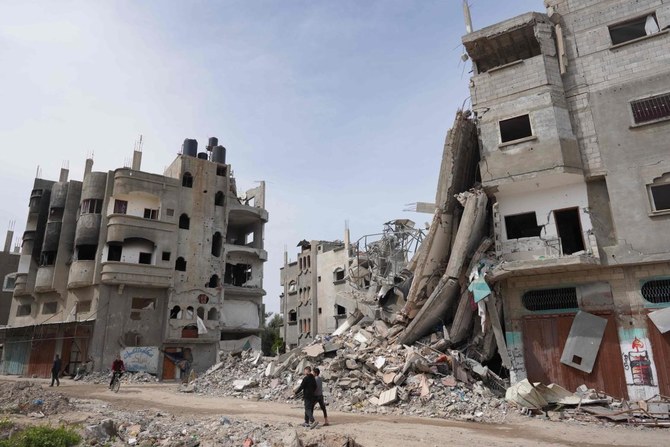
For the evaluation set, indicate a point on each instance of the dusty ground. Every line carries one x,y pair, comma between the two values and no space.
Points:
367,430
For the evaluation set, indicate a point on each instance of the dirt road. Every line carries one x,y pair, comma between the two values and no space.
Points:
373,430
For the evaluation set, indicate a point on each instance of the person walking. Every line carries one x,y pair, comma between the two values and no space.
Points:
55,371
318,396
308,387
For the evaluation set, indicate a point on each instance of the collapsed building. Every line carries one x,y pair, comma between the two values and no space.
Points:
557,257
137,263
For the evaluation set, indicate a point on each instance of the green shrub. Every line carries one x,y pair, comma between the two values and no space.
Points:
43,436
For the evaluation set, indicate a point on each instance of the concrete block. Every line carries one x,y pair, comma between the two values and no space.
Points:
388,397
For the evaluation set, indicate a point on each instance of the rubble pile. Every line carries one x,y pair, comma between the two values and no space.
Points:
364,373
29,398
128,377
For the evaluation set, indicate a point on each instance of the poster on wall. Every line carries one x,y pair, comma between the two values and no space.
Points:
141,359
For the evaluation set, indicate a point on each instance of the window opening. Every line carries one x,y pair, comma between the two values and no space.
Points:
550,299
221,170
203,299
213,314
237,274
340,310
169,212
50,308
184,221
120,206
569,230
56,213
189,312
23,310
180,264
47,258
522,225
175,313
10,282
91,206
660,195
189,331
213,282
187,180
86,252
338,274
83,307
651,109
150,214
292,316
216,244
166,256
145,258
201,312
114,252
515,128
291,287
249,238
320,311
218,198
656,291
634,29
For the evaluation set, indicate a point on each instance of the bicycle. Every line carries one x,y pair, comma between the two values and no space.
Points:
116,382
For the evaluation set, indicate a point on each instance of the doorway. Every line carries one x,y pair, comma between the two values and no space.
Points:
569,230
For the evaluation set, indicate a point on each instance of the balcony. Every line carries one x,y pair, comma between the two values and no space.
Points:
21,284
142,275
122,226
239,214
230,291
81,274
88,229
243,249
44,279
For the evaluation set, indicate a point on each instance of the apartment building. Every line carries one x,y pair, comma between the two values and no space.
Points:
134,263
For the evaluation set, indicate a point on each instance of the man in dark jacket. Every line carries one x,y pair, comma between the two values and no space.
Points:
55,371
308,387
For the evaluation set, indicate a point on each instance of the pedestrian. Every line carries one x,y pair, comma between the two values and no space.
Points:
308,387
318,396
55,371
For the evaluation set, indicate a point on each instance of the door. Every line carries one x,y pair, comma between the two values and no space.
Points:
75,348
544,338
569,230
660,344
42,356
17,353
169,368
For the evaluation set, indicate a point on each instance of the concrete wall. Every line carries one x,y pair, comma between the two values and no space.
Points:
328,288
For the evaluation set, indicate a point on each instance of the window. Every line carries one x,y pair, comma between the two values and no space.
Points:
10,282
291,287
180,264
24,310
633,29
150,214
218,198
91,206
145,258
184,221
550,299
47,258
340,310
165,256
216,244
660,197
56,213
292,316
49,308
213,314
114,252
175,313
120,206
143,303
320,311
221,170
169,212
86,252
338,274
213,282
187,180
203,299
189,312
201,312
83,307
569,230
515,128
657,291
651,109
522,225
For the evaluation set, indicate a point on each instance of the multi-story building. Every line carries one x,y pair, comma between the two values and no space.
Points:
127,259
9,263
573,112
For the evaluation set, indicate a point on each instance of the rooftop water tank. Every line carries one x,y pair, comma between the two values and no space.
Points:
203,155
219,155
190,147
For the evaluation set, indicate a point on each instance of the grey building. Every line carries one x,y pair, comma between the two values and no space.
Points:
127,259
9,263
573,113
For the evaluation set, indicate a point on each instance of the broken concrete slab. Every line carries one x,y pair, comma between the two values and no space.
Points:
240,385
388,397
581,348
314,350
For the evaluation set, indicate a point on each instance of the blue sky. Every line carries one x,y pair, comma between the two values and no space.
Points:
341,106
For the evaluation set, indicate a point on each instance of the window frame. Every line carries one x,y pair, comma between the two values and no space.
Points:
531,137
631,20
662,180
652,304
634,124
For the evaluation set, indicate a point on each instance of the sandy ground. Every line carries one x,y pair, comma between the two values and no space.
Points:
368,430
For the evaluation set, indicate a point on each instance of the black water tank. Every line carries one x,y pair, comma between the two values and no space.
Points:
213,142
190,147
219,155
203,156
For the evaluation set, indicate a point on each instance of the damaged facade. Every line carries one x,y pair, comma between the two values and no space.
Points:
572,110
136,262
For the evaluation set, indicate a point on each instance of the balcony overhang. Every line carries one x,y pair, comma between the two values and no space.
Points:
142,275
510,269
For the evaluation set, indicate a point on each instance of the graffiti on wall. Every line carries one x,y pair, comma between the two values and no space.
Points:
637,361
141,358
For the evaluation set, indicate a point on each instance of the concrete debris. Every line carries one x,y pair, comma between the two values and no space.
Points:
128,377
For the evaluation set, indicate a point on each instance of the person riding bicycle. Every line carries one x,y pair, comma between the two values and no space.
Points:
118,368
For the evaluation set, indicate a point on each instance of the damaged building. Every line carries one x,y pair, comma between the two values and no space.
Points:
137,263
567,215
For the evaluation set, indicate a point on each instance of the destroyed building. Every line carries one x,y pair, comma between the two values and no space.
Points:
138,263
572,110
9,263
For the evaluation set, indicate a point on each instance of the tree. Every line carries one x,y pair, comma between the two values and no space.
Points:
271,340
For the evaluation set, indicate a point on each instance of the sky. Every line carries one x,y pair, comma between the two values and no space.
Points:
342,107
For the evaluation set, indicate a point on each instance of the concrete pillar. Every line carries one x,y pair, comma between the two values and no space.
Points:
8,241
88,167
137,160
64,172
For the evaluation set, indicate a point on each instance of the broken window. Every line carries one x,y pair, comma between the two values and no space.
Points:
165,256
291,287
633,29
522,225
221,170
48,258
218,198
237,274
114,252
143,303
184,222
340,310
83,307
515,128
23,310
203,299
86,252
213,314
201,312
91,206
145,258
292,316
187,180
120,206
10,282
189,312
656,291
150,214
180,264
213,281
338,274
505,48
175,313
651,109
660,197
216,244
49,308
569,230
550,299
